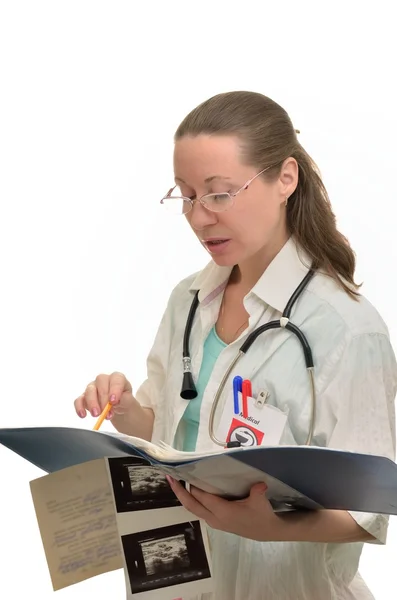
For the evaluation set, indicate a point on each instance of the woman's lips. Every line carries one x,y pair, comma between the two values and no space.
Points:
216,245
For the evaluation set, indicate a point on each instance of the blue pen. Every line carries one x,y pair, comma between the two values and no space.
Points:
237,387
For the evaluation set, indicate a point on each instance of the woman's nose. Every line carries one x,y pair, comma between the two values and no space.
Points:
200,217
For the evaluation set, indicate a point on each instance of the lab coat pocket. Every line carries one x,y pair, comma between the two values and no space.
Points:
252,423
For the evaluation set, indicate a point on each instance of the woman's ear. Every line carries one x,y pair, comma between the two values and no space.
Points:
288,178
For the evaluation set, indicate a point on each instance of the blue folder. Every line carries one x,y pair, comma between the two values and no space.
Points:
330,478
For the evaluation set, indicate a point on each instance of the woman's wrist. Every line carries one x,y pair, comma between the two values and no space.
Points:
322,526
136,421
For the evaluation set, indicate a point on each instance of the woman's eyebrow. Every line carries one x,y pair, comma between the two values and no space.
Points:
208,179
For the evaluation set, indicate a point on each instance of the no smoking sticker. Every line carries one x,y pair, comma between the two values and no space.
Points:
245,434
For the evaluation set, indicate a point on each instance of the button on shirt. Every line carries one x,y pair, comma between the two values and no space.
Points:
356,381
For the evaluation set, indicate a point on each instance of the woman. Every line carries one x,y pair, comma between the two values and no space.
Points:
255,200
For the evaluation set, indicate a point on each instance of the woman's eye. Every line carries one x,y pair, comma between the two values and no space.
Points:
187,193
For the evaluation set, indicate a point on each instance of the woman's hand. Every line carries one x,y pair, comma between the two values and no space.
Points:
127,415
251,518
254,518
114,388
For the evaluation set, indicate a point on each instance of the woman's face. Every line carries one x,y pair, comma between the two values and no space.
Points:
255,225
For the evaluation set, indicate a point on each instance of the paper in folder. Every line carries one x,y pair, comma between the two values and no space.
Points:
307,477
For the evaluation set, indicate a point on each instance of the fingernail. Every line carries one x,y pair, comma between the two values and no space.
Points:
169,479
110,414
95,412
82,413
113,398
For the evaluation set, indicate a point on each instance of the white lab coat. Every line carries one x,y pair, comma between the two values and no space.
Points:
356,382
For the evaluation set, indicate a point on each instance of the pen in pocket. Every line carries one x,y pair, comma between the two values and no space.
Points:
246,393
237,387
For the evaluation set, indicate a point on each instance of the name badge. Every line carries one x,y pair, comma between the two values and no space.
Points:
256,423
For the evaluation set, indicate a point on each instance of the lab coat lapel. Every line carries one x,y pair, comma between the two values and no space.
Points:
275,288
211,283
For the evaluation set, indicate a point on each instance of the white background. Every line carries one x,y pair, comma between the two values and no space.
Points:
91,93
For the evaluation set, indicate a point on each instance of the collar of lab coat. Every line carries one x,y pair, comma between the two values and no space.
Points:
274,287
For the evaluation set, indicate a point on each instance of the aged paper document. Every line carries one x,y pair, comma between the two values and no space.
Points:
77,521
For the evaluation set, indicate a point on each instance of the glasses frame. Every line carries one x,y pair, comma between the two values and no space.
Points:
232,195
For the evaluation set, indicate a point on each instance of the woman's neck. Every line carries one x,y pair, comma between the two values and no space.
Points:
246,275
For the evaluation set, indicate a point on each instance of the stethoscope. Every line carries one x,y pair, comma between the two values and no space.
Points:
189,391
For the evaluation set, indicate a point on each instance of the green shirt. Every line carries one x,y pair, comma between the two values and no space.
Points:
213,346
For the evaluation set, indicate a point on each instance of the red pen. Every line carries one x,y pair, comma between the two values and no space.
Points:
246,393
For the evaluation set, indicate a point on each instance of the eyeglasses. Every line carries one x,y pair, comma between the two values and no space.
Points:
181,205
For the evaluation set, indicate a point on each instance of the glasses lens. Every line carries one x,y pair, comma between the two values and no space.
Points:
176,204
217,202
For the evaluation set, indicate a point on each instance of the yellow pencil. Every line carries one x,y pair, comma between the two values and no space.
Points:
102,416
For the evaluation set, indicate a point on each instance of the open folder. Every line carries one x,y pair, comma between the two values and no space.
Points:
298,477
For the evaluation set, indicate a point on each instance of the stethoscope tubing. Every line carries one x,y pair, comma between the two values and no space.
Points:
189,392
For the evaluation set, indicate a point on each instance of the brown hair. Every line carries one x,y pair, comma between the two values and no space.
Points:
268,139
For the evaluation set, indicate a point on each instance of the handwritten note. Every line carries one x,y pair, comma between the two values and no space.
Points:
77,522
